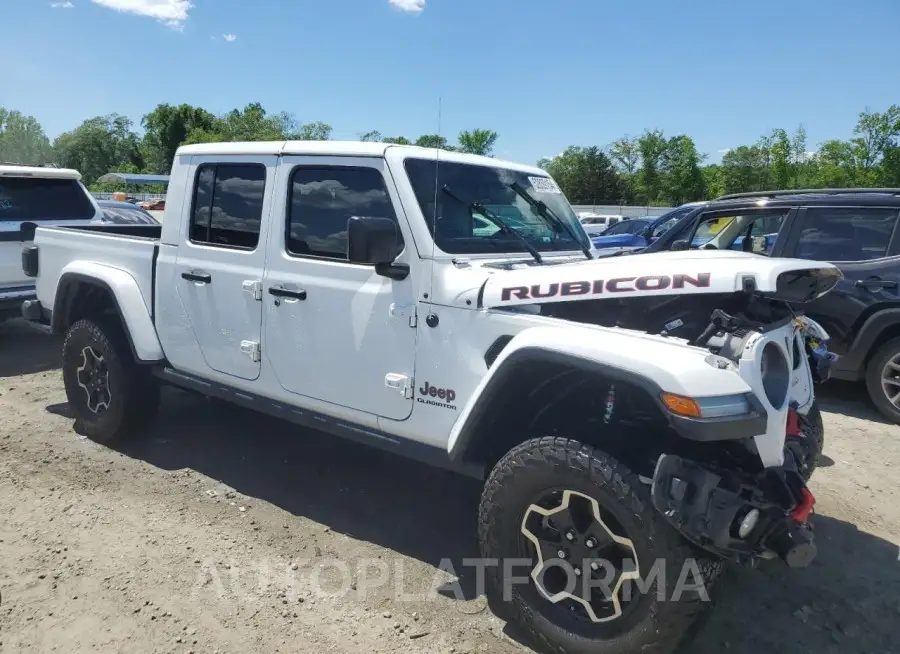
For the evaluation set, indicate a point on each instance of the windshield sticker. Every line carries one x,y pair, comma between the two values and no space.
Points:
544,185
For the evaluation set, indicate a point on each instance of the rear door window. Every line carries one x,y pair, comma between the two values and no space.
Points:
846,234
37,199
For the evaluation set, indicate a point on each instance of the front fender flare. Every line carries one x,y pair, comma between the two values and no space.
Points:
127,298
648,362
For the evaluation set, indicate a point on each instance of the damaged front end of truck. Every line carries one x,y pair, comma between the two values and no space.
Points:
730,475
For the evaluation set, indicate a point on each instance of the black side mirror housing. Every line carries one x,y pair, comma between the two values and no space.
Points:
679,246
375,241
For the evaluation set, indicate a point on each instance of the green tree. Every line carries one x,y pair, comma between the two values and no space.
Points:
586,175
477,141
682,180
652,146
166,128
22,139
433,141
374,135
744,169
397,140
98,146
316,131
626,155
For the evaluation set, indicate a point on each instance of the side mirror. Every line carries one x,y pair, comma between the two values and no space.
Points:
679,246
372,240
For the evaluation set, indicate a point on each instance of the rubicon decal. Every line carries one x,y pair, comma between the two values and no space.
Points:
608,286
436,396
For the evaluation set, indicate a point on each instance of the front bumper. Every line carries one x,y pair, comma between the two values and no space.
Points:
708,507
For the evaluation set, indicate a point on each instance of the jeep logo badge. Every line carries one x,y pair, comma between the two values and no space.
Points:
436,396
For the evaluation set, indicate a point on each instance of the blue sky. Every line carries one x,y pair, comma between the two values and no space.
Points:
543,74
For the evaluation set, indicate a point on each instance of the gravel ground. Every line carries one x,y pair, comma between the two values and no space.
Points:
224,531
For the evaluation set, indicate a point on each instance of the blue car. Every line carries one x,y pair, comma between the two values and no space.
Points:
627,233
637,233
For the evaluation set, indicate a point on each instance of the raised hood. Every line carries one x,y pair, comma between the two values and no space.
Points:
663,273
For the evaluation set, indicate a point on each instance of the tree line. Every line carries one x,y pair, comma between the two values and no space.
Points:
649,169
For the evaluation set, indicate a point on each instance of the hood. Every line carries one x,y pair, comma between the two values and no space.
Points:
662,273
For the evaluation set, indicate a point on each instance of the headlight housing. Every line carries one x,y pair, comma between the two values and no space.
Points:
776,374
719,406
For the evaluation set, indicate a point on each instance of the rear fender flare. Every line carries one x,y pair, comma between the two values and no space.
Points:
127,298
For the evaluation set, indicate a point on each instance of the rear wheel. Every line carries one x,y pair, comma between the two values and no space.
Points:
110,394
883,380
584,562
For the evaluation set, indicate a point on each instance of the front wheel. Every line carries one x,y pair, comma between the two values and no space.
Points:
110,394
580,558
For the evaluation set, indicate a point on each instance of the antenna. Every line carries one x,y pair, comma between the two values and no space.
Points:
434,210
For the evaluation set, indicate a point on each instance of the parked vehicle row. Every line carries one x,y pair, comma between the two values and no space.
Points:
39,195
623,411
856,229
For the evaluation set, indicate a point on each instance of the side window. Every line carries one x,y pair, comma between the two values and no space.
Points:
322,200
839,234
228,202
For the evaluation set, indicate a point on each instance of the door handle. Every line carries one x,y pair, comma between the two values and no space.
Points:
875,284
281,291
197,276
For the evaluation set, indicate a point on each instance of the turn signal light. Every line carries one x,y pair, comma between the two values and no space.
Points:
681,405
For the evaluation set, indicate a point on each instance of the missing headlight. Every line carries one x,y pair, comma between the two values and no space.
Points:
776,375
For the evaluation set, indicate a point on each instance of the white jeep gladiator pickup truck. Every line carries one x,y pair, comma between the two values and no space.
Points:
30,196
353,288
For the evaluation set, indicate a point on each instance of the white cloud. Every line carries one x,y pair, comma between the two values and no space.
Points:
173,13
229,37
725,150
62,5
409,6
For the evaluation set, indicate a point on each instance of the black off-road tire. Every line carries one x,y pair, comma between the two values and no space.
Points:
874,368
133,392
654,626
813,443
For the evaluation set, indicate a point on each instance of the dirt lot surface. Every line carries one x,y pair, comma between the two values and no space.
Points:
187,539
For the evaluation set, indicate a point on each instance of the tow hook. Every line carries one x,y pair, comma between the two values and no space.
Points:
794,543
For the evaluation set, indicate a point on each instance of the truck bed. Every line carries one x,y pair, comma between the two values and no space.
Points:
62,250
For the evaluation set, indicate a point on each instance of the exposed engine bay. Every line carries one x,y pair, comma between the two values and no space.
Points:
687,316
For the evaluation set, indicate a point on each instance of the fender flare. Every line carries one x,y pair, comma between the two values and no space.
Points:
611,354
866,337
127,298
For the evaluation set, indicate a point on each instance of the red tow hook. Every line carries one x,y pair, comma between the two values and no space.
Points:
793,424
801,512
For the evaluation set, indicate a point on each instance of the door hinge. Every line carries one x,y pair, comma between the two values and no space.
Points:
401,310
252,349
253,287
401,383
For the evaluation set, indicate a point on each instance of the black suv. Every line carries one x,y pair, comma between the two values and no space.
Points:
855,229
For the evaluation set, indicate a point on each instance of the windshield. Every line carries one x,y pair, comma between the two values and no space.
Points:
665,222
36,198
456,229
627,227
